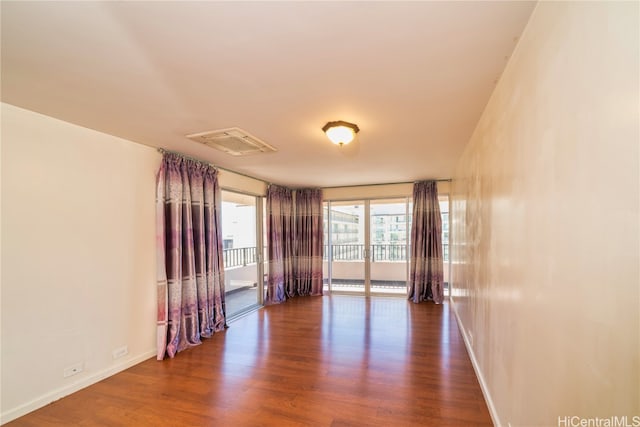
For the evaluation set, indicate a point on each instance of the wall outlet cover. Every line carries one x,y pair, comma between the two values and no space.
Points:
72,370
120,351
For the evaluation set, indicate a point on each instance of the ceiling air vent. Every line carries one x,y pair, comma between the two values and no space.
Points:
232,141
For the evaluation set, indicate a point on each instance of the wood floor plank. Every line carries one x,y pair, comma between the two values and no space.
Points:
329,361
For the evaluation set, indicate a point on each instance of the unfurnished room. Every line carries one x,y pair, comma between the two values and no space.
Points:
320,213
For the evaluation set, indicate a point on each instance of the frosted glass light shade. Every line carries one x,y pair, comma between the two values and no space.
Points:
340,132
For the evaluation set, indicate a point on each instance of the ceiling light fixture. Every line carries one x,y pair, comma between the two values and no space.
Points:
340,132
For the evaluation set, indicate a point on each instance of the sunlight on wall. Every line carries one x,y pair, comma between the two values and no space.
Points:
545,221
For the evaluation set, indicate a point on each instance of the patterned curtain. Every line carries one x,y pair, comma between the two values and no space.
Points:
189,251
309,236
425,281
279,244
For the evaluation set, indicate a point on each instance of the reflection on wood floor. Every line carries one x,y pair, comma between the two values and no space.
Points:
312,361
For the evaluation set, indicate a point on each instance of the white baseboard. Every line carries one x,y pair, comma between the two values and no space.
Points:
476,368
59,393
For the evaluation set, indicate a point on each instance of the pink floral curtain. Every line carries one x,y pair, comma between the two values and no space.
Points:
279,244
308,249
426,278
190,272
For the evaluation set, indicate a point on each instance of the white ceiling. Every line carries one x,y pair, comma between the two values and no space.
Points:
415,76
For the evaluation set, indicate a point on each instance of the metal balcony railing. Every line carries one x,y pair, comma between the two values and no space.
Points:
351,252
379,252
239,257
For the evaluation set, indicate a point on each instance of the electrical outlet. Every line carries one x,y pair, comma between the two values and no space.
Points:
72,370
120,351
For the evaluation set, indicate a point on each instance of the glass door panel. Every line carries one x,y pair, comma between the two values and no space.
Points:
346,232
240,255
444,214
326,275
388,247
265,253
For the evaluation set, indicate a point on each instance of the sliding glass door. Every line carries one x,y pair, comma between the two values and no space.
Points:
444,213
367,245
345,246
389,245
242,267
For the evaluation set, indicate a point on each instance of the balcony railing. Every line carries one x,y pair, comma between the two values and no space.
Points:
380,252
239,257
351,252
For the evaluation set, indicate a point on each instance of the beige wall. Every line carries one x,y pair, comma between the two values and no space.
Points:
545,221
78,257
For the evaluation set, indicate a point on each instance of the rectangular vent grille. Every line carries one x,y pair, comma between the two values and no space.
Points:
234,141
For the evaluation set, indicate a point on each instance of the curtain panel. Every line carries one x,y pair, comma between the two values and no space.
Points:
279,244
308,242
190,265
426,278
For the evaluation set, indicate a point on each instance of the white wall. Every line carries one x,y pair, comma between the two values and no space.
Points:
239,223
236,182
376,191
545,221
78,257
380,270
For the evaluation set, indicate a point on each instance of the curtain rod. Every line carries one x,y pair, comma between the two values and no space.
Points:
392,183
162,150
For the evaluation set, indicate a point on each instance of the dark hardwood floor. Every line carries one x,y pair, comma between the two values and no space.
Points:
314,361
